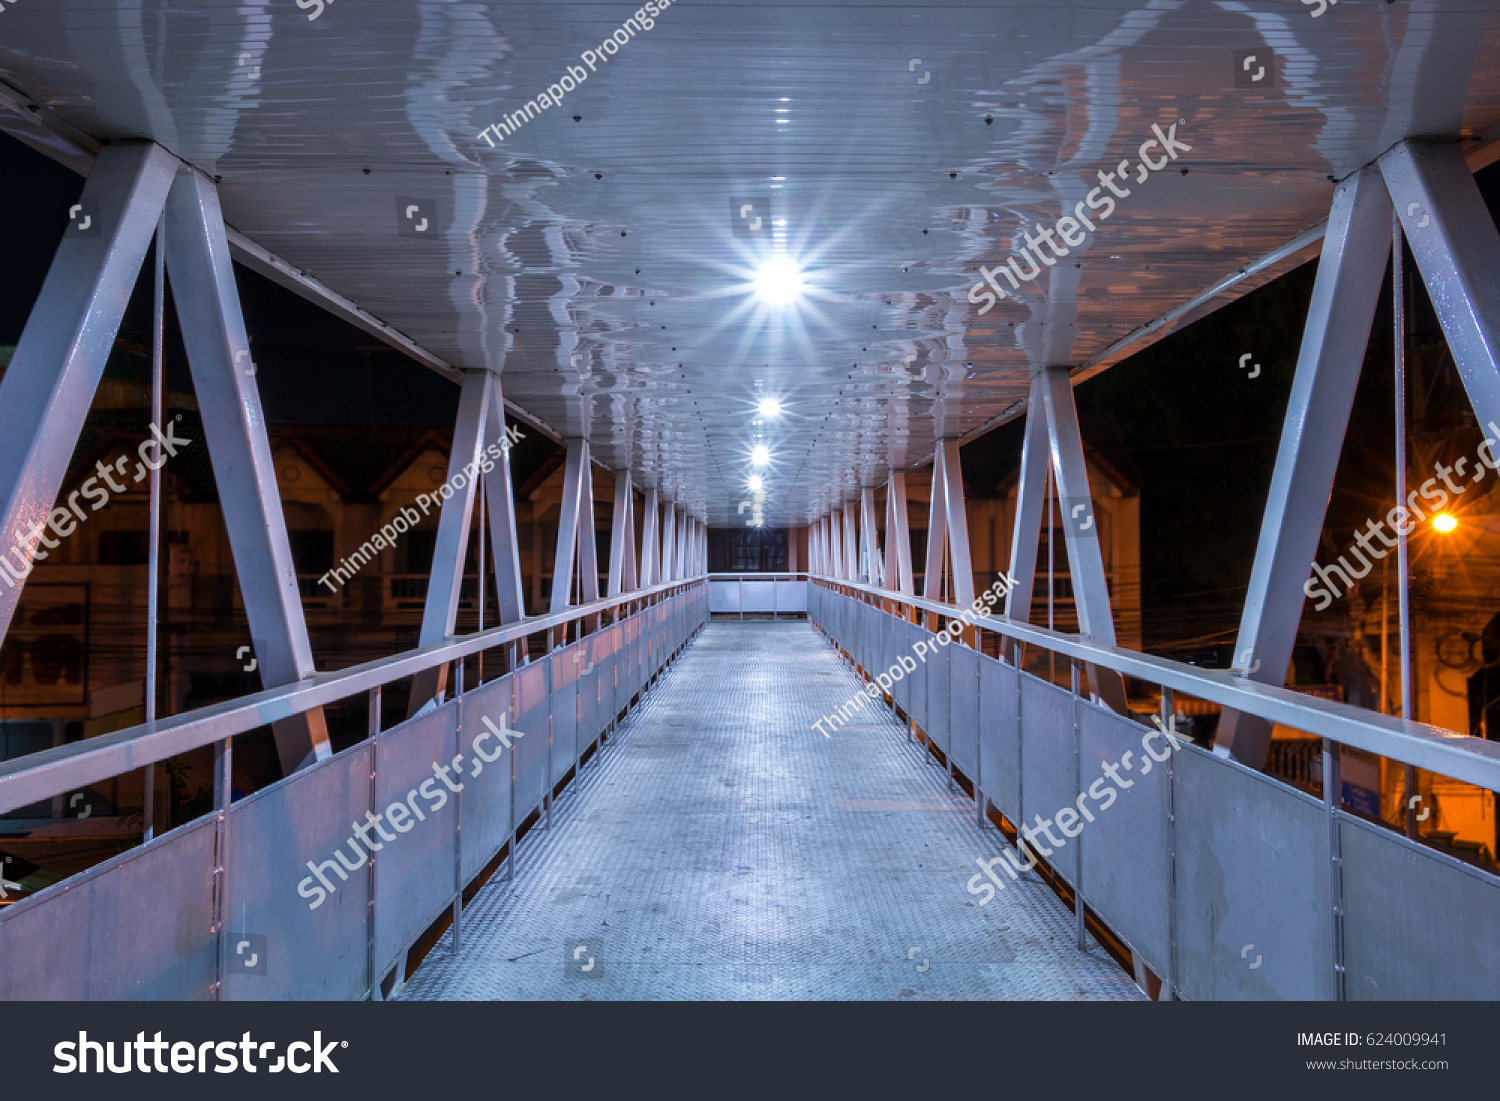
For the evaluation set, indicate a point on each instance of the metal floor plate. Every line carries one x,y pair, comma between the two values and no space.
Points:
722,849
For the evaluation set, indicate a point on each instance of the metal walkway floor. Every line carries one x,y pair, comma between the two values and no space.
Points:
721,849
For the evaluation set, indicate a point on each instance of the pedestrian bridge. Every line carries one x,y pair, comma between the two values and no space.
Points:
660,800
761,266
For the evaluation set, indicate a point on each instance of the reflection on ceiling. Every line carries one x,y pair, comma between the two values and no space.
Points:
746,203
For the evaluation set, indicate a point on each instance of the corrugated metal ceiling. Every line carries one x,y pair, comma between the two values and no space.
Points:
602,261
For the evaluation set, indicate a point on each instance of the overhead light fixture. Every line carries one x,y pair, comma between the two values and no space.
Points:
760,456
769,407
756,483
1444,523
779,281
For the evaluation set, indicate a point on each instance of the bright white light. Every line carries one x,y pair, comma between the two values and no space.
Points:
756,483
779,281
760,456
769,407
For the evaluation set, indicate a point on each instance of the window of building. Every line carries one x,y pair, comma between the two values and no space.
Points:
748,550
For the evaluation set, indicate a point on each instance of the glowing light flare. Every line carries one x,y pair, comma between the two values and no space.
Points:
769,407
1444,523
760,456
756,483
779,281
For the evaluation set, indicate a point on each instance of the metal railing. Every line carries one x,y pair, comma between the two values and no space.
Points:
762,593
218,907
1223,882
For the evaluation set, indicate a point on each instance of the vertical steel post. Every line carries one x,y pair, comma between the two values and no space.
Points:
1168,718
1080,921
373,728
458,812
223,801
1398,302
153,554
1332,798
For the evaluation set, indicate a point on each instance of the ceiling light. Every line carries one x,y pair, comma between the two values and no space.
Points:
769,407
1444,523
760,456
779,281
756,483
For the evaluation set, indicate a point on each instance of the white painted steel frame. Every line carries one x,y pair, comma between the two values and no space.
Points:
1031,493
575,530
1457,249
1081,528
234,428
451,547
871,570
505,545
1339,317
948,528
668,540
897,536
622,576
651,541
55,369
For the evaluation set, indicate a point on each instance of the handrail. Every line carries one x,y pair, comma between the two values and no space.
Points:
56,771
760,575
1434,748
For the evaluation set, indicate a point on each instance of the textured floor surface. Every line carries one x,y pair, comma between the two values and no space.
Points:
722,849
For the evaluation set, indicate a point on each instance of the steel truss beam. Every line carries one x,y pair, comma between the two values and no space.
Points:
445,578
897,536
234,428
1457,250
948,528
650,542
871,569
1085,560
575,530
834,545
851,542
622,537
668,526
1031,493
1344,297
510,587
55,369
